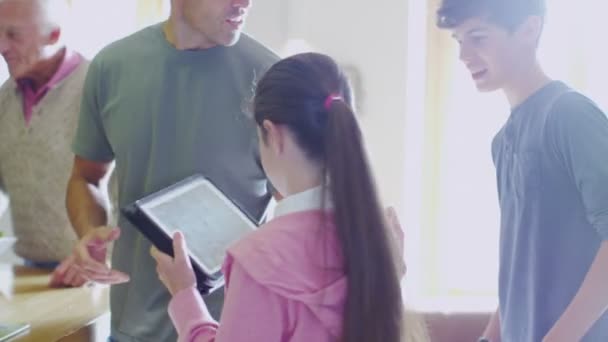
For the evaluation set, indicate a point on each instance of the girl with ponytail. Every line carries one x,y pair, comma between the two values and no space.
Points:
326,267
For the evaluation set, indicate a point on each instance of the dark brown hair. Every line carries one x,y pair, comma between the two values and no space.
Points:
293,93
505,13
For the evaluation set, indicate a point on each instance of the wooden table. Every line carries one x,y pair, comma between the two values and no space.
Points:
66,315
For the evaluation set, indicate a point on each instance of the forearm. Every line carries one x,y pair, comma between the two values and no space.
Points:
87,204
590,302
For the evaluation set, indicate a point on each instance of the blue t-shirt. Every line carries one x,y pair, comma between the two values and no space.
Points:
162,115
551,160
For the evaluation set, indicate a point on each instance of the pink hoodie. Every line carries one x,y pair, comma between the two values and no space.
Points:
285,282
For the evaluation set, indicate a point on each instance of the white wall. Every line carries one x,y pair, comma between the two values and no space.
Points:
267,22
370,36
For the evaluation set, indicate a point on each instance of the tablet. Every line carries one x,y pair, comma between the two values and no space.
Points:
209,220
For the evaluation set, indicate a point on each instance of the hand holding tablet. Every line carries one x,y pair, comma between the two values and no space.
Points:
209,221
176,272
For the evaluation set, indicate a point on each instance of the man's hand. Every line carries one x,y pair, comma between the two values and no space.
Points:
176,272
67,274
90,256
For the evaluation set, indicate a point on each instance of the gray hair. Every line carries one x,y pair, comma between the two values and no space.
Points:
54,13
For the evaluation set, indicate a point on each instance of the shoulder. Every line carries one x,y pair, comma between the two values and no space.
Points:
7,87
8,96
574,111
133,47
286,241
254,53
80,72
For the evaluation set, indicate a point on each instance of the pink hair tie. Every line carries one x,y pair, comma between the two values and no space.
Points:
331,98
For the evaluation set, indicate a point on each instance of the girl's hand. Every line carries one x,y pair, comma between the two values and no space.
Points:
176,272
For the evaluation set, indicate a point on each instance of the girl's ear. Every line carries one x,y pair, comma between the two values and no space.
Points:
275,136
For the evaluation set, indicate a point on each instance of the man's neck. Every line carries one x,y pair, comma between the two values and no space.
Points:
525,83
182,37
44,70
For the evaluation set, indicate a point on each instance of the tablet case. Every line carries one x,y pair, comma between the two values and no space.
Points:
206,283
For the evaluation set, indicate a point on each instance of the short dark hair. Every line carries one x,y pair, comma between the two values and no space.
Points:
505,13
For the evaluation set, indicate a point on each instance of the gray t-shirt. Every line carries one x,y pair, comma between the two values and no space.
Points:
551,159
163,115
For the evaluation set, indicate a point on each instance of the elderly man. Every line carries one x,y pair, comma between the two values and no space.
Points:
39,106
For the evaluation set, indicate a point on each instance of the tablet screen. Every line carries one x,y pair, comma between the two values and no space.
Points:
209,221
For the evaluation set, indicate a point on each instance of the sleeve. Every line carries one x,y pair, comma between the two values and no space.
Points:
251,313
90,141
578,133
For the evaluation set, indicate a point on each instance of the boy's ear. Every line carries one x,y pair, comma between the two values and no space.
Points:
531,29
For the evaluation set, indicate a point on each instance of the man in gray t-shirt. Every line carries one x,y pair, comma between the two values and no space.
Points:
164,103
551,159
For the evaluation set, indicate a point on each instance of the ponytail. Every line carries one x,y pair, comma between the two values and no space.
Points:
374,309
